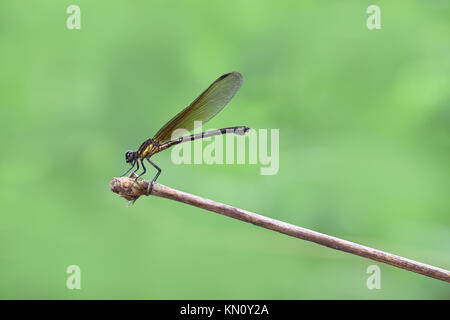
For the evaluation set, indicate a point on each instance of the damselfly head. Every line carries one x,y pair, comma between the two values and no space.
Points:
130,156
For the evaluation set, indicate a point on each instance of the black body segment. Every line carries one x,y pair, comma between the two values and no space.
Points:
241,130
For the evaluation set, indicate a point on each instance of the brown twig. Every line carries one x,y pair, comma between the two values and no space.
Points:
126,188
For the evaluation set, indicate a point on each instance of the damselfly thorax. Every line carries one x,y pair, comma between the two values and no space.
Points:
148,148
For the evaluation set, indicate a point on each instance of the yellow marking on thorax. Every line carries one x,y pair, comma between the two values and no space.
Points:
148,152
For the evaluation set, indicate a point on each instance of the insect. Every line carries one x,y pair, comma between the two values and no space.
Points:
205,107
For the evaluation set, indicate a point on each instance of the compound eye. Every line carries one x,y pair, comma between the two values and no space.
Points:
127,156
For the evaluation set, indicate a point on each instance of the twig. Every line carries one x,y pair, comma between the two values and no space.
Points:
126,188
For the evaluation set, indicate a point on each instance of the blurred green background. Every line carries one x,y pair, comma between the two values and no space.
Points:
364,147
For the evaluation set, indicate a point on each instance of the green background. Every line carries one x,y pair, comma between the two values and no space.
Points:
364,147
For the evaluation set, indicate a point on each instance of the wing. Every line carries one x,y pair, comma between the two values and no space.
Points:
205,107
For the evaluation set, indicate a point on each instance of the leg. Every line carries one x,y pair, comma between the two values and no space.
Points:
137,163
132,166
143,172
150,185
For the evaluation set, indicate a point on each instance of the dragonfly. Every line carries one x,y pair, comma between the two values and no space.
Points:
201,110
